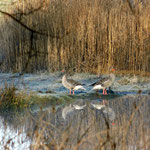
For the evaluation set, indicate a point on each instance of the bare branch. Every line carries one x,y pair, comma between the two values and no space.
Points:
28,28
130,6
30,11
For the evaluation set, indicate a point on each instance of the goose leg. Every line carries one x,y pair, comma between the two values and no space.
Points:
103,102
70,92
73,92
105,92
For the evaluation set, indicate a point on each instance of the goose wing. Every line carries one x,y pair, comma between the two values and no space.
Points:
73,82
101,81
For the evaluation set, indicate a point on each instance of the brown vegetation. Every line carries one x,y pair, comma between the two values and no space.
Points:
86,35
10,100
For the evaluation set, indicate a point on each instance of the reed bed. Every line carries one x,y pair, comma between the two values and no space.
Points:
88,36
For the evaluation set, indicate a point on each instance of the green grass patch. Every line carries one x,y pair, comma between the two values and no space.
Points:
10,99
50,100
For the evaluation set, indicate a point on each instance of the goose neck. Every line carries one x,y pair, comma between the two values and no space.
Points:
112,76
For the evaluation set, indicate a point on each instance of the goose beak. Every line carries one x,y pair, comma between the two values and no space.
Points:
113,69
63,71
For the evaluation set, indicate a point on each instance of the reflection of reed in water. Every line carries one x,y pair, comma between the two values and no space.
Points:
107,113
85,128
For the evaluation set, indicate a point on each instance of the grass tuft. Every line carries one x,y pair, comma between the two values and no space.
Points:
9,99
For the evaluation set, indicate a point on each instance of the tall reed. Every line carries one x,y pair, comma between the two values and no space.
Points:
86,35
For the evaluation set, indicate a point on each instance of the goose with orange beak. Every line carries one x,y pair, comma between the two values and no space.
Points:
105,83
71,84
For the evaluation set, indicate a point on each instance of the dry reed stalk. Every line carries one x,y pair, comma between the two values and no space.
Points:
90,36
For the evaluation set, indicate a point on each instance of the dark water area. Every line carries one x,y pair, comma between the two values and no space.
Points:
77,120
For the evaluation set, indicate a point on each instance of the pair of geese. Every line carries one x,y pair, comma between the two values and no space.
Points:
103,83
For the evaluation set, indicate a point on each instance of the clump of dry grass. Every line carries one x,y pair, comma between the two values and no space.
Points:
9,99
13,99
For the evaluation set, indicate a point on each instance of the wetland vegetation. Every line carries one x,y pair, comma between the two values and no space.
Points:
88,36
38,38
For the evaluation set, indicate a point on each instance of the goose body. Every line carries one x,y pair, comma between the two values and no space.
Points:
67,110
77,107
70,110
104,83
99,107
71,84
108,112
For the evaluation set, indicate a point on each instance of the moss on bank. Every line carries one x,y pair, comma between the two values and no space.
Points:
10,99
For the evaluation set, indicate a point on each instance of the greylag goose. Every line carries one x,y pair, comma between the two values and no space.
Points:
99,107
104,83
77,107
108,112
71,84
69,110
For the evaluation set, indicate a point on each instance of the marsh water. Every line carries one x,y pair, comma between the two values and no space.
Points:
18,129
